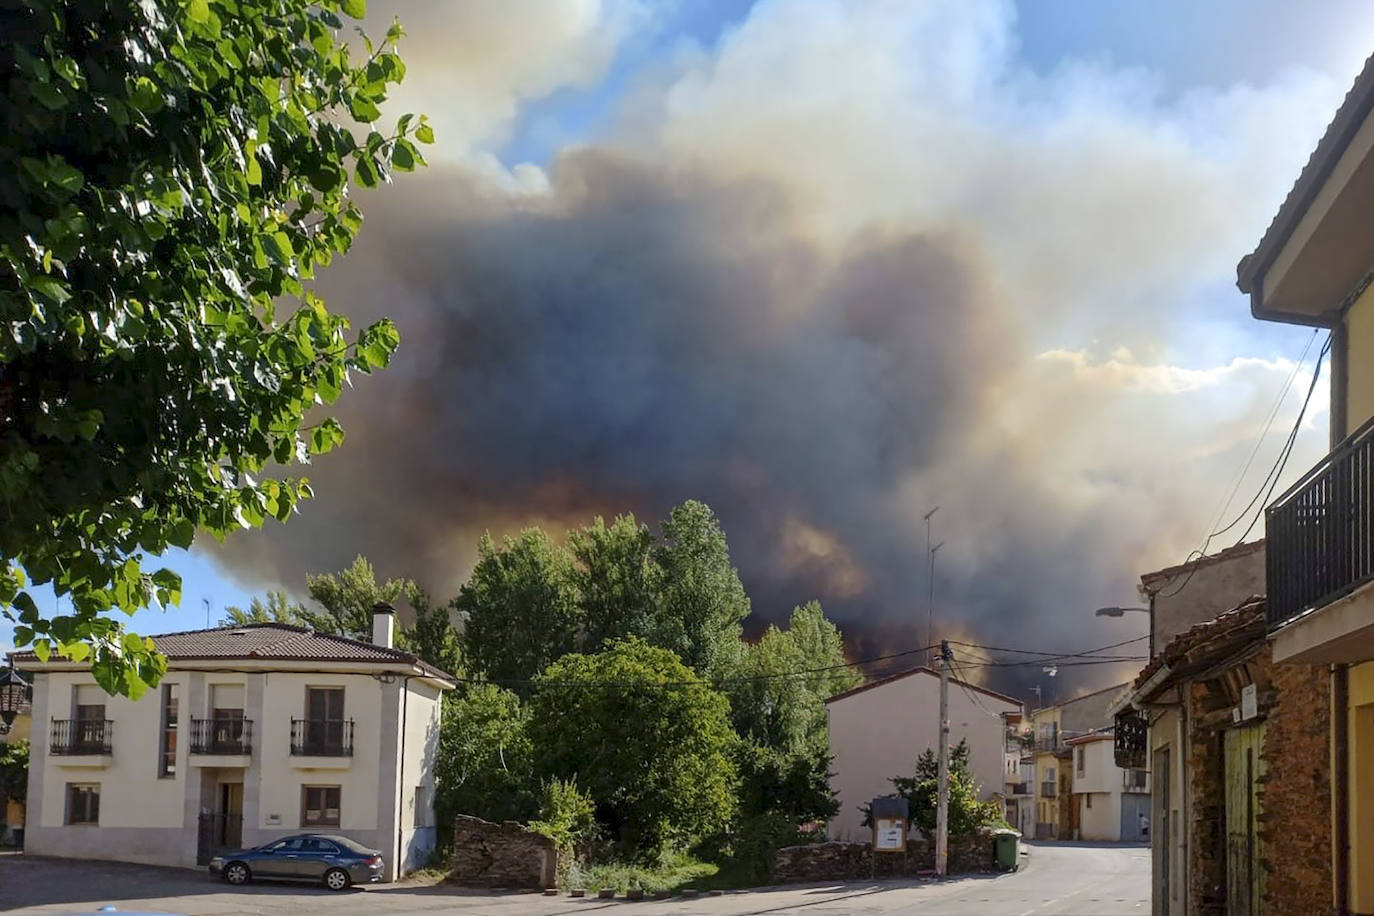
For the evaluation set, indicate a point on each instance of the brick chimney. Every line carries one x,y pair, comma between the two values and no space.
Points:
383,625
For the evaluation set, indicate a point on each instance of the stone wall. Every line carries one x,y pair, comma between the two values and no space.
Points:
1295,825
501,855
857,861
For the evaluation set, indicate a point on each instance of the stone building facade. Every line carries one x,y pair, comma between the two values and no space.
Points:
1251,833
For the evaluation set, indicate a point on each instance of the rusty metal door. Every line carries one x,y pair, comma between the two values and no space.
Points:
1244,767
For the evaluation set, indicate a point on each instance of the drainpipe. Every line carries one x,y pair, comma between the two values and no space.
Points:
401,780
1340,786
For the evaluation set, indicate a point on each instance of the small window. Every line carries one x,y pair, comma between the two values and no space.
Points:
83,803
1089,799
421,807
167,749
1081,756
319,806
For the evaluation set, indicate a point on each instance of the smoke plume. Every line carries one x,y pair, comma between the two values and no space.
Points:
847,264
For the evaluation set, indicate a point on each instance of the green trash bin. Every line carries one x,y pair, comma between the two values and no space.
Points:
1006,846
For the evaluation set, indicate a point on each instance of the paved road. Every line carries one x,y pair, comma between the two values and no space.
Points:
1060,880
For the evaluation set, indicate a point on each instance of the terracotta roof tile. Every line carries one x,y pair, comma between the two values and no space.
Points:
279,641
1250,614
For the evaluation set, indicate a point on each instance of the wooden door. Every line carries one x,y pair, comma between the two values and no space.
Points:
1244,767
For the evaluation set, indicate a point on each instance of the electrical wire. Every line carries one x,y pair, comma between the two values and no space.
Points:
1254,451
1271,480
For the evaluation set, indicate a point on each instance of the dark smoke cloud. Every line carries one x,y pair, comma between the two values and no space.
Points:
820,317
640,340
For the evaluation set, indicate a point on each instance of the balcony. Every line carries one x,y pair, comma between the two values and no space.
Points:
1049,790
222,737
321,743
81,742
1320,559
1019,788
1134,780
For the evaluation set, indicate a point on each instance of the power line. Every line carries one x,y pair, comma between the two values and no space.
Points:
1271,480
1085,652
1254,451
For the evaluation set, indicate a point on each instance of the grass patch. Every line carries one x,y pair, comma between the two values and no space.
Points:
679,871
426,875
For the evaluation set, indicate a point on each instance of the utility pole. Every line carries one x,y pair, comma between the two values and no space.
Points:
930,581
942,798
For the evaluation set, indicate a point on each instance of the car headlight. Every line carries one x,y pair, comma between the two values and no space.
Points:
217,860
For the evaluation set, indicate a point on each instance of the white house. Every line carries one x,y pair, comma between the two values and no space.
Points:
1113,803
877,731
255,732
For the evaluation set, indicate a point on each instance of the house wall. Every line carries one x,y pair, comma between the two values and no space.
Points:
1214,588
1359,364
422,714
1360,720
1102,821
1168,737
878,733
144,818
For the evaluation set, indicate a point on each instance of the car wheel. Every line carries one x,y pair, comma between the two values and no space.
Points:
336,879
237,873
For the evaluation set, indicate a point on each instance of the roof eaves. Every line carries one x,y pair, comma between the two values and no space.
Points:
1351,114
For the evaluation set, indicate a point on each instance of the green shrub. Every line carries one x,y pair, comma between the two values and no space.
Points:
567,816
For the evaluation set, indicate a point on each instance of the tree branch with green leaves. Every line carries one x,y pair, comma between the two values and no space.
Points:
178,171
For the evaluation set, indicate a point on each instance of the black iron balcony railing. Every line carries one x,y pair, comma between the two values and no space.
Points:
1133,780
80,736
1020,788
222,736
322,737
1321,532
1049,790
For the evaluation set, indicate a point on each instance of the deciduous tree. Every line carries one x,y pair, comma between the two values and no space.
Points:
176,171
519,609
645,736
276,607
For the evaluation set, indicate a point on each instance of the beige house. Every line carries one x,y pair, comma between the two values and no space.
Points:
255,732
1111,804
1048,755
877,731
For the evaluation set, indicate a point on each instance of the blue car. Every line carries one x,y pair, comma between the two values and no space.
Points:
336,861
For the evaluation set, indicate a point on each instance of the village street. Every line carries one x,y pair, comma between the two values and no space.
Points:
1074,879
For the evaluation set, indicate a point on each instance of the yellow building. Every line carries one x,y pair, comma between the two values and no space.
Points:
1314,267
12,809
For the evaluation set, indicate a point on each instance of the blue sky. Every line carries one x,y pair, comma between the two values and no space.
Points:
1177,47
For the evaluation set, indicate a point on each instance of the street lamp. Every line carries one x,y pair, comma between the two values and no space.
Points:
14,695
1119,611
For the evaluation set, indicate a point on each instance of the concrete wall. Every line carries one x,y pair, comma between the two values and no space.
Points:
1217,586
878,733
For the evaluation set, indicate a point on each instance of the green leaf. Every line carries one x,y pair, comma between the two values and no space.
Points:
181,533
278,247
198,11
424,133
403,156
354,8
51,288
